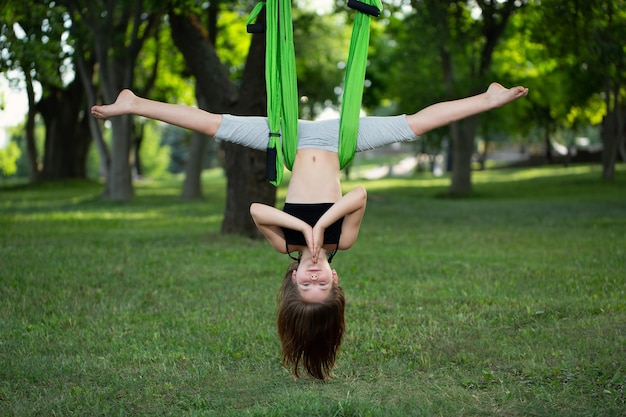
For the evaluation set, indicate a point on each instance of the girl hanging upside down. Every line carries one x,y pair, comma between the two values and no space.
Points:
317,220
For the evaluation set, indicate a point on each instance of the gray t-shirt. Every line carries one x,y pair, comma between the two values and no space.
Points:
374,132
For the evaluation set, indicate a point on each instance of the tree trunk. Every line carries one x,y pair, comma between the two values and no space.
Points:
548,146
116,56
31,147
119,181
215,92
609,136
135,162
463,149
246,169
85,73
484,153
246,184
495,16
612,130
622,140
192,186
462,136
67,135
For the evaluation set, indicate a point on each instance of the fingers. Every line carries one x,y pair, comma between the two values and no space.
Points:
314,257
315,250
312,244
318,242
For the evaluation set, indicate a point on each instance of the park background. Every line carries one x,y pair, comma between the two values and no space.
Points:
489,277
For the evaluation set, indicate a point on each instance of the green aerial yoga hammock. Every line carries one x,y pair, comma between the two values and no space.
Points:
282,89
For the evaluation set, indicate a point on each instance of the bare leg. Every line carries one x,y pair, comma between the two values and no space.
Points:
183,116
441,114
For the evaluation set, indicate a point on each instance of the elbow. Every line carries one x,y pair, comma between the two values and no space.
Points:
362,193
359,198
261,213
345,246
254,209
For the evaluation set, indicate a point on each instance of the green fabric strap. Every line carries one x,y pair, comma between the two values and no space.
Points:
281,85
353,85
282,89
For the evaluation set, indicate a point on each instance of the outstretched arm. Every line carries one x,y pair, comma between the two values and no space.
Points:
175,114
441,114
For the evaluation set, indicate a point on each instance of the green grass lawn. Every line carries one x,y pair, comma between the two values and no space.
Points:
508,303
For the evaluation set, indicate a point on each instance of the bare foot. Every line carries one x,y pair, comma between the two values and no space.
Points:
498,96
123,105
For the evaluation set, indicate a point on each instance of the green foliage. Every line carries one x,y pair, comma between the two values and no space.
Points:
584,49
510,303
321,45
17,136
172,84
177,140
93,164
233,42
155,157
9,156
32,40
405,64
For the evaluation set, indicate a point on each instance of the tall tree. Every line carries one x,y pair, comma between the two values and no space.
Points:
192,185
18,57
245,168
206,37
119,30
67,132
491,24
587,38
33,42
453,43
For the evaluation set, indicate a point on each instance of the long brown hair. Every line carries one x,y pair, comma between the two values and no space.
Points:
310,333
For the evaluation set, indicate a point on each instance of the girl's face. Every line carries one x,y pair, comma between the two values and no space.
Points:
314,280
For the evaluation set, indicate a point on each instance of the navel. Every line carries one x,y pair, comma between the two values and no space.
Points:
314,158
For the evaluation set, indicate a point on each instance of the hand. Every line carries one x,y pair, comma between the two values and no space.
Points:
318,240
309,236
